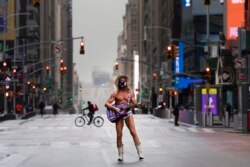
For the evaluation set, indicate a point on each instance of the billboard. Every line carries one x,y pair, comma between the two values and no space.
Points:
234,18
209,100
7,11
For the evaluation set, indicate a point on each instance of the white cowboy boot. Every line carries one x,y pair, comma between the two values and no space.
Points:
139,152
120,153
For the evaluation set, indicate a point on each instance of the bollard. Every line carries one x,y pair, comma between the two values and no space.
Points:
226,121
203,119
210,118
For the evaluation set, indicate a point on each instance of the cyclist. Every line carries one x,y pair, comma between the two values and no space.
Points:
91,112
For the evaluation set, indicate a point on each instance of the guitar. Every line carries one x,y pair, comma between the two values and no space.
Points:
113,116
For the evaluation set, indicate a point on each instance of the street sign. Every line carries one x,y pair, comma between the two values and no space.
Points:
57,48
242,76
240,63
227,75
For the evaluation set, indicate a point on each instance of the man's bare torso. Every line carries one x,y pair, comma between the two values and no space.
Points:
122,96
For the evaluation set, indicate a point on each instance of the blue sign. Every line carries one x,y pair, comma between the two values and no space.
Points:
179,60
183,82
186,3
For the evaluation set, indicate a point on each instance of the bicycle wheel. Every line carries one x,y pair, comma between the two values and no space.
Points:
79,121
98,121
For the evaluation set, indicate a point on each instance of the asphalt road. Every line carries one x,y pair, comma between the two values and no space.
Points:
56,142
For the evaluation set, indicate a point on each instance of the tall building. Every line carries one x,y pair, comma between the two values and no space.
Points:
37,35
57,15
131,35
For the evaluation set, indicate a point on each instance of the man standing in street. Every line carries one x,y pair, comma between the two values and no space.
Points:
176,114
41,107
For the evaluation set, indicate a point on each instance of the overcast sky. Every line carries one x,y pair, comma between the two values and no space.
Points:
100,22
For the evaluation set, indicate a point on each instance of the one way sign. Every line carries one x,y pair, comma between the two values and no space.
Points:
239,63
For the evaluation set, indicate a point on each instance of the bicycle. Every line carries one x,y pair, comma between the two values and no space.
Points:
98,121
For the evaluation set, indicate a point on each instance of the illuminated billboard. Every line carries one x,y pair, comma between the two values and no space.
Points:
209,100
234,18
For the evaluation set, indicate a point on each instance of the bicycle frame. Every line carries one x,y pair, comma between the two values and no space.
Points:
86,117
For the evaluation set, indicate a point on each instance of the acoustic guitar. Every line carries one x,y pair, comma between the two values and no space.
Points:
113,116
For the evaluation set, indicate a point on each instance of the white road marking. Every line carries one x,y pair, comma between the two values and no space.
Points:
208,130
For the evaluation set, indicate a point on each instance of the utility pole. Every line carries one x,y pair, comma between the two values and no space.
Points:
209,114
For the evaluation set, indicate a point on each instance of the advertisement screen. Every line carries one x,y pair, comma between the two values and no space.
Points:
235,18
209,100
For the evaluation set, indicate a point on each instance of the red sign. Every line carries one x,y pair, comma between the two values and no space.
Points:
234,18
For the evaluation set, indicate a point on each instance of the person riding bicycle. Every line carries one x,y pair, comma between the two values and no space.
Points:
91,112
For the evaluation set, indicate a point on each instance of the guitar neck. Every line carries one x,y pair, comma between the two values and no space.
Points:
130,106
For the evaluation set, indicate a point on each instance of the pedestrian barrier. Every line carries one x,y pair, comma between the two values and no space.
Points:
7,117
28,115
162,112
186,116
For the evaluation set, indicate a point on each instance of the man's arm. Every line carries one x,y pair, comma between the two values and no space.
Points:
133,100
109,102
85,108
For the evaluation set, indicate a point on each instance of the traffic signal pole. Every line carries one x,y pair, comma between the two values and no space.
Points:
44,42
207,3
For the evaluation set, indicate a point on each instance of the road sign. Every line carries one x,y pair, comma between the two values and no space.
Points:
242,76
57,48
227,75
240,63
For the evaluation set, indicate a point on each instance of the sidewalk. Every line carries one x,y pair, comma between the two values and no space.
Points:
217,128
12,116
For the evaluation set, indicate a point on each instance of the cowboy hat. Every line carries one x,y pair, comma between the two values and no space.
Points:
119,77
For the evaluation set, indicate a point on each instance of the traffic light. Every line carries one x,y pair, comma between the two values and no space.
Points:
154,76
14,71
175,51
36,3
44,89
82,49
222,38
34,88
28,83
70,99
161,90
173,92
61,62
81,89
64,69
116,65
169,52
47,69
5,65
207,2
207,74
61,70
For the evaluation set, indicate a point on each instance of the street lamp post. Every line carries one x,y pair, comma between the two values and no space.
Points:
209,113
169,31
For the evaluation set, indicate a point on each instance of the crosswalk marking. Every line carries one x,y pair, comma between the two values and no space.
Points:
193,130
208,130
180,129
